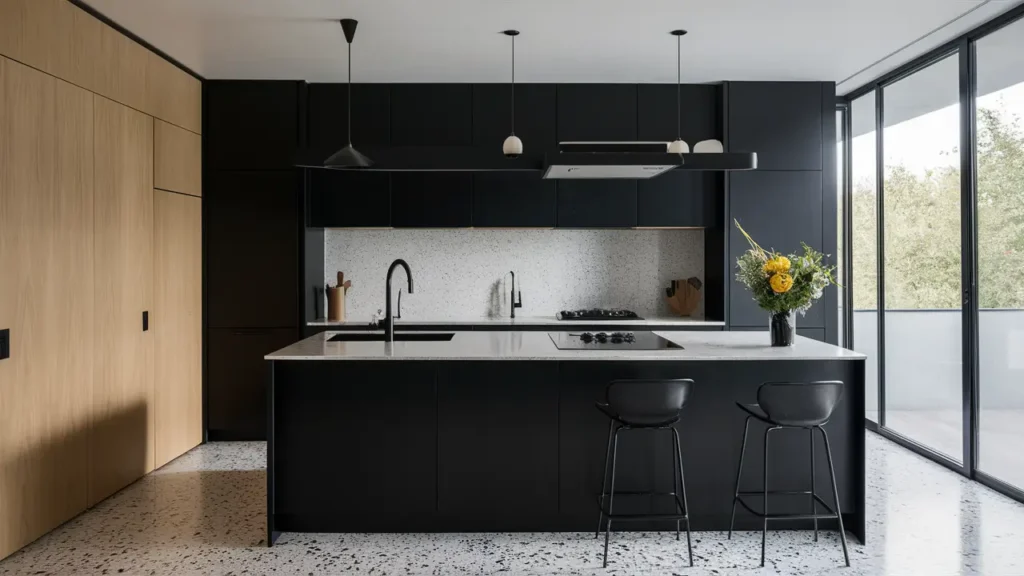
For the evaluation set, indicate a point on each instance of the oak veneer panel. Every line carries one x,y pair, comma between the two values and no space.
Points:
176,323
177,159
122,434
52,35
46,300
172,95
121,69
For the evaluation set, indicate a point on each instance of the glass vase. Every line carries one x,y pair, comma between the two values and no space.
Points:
782,326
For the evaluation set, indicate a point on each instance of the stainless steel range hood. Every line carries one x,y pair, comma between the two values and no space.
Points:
634,160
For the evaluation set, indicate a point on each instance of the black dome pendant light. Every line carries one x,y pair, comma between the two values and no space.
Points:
513,146
348,157
679,146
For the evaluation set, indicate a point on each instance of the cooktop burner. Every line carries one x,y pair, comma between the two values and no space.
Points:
611,341
597,314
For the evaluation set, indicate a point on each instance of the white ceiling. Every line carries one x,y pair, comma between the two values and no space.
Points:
562,40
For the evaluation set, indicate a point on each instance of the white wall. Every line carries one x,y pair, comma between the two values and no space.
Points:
462,274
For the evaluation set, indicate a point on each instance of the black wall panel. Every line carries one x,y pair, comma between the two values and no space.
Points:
252,125
781,121
431,114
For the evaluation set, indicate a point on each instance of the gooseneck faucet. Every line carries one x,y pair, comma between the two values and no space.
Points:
389,320
514,303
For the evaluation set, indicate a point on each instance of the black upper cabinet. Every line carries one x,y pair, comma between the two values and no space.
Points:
432,115
597,203
779,210
349,199
700,118
431,199
597,112
535,117
514,199
679,198
780,121
252,125
328,116
252,248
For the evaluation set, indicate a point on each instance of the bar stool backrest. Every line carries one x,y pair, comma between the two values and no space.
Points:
799,403
648,400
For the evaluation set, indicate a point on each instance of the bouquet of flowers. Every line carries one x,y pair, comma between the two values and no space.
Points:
782,285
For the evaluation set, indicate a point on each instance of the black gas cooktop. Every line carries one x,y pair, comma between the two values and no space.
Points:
597,314
611,341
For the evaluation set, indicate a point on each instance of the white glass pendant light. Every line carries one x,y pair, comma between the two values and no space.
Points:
678,146
513,146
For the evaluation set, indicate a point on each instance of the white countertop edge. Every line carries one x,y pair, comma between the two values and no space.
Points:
530,321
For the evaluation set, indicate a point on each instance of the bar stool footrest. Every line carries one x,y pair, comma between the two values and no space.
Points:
684,515
796,516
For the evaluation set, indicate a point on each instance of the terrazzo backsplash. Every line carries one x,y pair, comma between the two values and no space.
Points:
463,274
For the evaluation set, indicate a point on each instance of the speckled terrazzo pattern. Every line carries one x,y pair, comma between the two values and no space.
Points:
462,273
204,514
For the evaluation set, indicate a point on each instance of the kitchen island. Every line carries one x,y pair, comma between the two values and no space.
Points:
497,431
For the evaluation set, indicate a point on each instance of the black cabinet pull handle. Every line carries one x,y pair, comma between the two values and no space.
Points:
5,343
145,320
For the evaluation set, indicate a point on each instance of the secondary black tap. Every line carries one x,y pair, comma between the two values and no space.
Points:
514,303
389,320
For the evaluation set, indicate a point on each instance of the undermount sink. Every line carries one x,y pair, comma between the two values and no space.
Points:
399,337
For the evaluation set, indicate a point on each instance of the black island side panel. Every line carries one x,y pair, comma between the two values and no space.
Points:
492,445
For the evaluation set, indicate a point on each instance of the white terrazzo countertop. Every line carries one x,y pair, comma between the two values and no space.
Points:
502,345
534,321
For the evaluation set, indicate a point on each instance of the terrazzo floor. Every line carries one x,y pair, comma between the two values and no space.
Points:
204,514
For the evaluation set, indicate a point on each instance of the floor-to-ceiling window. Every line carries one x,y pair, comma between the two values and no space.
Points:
922,258
864,243
1000,221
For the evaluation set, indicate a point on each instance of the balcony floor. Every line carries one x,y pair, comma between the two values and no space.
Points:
204,513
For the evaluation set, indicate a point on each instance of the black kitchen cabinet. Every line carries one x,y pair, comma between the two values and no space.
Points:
597,112
700,115
679,198
328,117
252,248
781,121
535,117
349,199
252,125
431,199
514,200
779,210
432,115
597,204
237,377
515,457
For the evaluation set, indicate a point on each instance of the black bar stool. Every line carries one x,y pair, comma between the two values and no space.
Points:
644,405
792,405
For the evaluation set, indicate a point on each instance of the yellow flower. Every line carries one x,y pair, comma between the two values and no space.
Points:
781,282
777,265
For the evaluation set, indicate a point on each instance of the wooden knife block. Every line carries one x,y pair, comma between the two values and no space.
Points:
336,304
685,300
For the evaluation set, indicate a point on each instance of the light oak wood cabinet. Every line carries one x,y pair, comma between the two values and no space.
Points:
46,300
177,324
178,159
173,95
123,429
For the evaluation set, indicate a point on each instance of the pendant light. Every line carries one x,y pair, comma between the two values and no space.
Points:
678,146
348,157
513,146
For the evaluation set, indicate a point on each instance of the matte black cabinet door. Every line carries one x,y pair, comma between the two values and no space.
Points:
779,210
514,199
679,198
597,203
432,114
349,199
431,200
599,112
252,248
328,117
700,117
535,117
781,121
237,378
251,125
495,453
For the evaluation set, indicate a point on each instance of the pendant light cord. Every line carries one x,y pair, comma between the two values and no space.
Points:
513,85
349,93
679,129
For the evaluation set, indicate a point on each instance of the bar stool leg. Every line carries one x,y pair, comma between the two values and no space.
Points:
835,495
764,530
814,504
611,496
604,478
686,504
675,484
739,471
